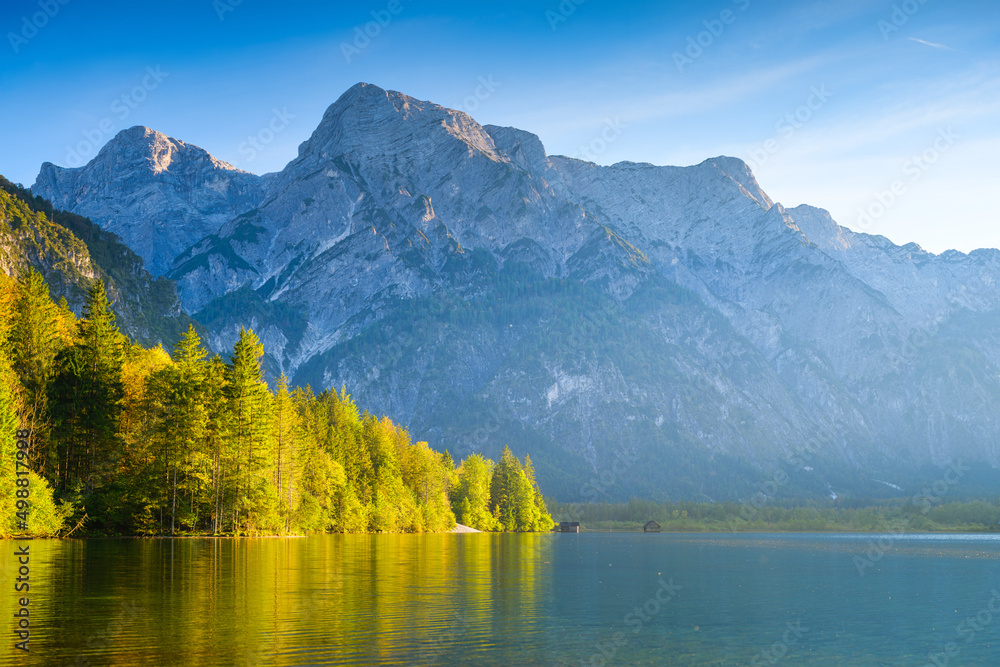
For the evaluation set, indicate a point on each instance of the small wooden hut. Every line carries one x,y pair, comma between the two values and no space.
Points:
569,526
651,527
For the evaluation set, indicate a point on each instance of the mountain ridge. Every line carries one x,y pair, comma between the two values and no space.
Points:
721,325
153,219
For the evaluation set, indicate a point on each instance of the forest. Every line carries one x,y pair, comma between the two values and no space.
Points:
128,440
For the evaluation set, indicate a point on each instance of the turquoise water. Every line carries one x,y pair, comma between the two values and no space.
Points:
481,599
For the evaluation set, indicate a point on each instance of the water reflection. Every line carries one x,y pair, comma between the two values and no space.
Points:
339,599
484,599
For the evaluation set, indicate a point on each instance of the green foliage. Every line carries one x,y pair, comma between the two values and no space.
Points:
86,397
139,441
39,328
44,515
514,497
502,496
69,249
472,494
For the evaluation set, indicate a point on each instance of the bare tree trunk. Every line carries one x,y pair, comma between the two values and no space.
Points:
221,497
173,507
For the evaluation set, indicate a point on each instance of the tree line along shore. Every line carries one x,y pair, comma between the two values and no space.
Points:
128,440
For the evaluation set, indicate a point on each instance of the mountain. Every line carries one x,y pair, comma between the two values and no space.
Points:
641,330
71,253
157,194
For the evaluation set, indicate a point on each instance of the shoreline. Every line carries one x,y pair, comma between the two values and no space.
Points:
470,531
832,531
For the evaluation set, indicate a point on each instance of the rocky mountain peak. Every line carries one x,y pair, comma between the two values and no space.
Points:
159,194
457,276
739,171
367,121
144,146
522,148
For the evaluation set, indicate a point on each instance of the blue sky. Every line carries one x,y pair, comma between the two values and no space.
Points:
884,113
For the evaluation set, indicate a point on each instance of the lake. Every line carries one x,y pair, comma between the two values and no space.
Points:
512,600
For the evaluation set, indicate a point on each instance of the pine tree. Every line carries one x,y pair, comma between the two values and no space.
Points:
154,443
44,516
217,439
249,407
192,415
103,354
136,492
37,334
66,398
514,496
542,519
286,438
502,490
183,464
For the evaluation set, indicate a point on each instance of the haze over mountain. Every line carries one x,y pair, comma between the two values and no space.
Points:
663,330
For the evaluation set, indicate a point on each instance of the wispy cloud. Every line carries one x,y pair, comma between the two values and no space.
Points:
943,47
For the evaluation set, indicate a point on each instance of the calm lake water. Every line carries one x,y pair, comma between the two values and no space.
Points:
482,599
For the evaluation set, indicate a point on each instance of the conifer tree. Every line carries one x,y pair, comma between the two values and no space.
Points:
89,391
286,444
152,443
514,497
217,439
190,417
136,491
248,403
180,431
37,334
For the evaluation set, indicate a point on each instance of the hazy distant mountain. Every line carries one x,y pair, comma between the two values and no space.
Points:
457,277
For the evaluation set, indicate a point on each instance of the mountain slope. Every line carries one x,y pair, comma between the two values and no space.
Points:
159,195
661,330
71,253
